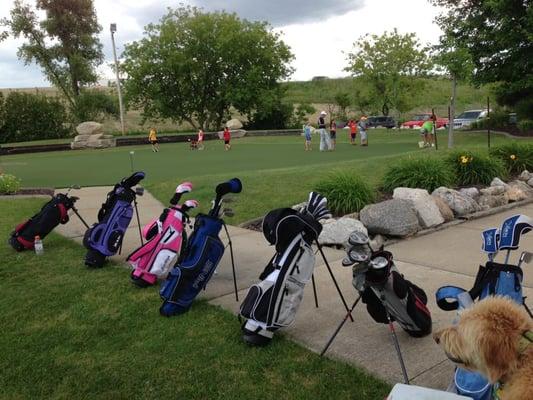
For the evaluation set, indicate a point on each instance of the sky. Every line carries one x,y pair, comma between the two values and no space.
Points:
319,32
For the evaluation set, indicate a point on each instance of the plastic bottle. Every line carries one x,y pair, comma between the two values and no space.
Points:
38,246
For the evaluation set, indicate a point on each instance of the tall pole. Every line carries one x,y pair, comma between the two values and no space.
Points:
488,121
113,30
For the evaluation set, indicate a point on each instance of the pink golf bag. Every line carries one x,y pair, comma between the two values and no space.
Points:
166,237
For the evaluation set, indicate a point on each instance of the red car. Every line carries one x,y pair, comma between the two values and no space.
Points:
419,119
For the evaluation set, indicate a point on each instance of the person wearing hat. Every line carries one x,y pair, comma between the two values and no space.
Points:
325,141
363,125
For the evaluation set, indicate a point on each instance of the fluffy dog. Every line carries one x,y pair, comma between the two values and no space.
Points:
494,337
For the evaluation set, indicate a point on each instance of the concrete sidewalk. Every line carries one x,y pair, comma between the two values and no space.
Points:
447,257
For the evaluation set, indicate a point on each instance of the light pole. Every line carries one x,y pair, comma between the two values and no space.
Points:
113,30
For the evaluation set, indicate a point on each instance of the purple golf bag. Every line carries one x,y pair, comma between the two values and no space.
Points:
104,238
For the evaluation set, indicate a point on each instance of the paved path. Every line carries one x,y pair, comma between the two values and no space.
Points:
450,256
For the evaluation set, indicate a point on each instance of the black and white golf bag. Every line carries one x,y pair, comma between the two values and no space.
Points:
387,293
273,303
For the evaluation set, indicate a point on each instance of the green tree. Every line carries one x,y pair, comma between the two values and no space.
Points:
64,44
342,101
389,62
195,66
498,35
458,64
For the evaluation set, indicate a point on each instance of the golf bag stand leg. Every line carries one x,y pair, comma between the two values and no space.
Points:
75,211
332,338
334,280
232,262
138,221
314,290
397,346
527,308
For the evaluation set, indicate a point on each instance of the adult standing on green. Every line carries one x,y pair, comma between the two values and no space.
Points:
325,142
363,125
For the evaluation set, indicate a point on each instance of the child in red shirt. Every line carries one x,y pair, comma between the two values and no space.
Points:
227,138
353,131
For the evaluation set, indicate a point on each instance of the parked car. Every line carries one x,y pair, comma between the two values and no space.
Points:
419,119
466,119
381,121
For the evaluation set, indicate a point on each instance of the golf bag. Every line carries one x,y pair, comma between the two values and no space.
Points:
492,279
165,239
53,213
104,238
201,257
387,293
273,303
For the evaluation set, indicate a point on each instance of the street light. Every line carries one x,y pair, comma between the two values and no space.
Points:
113,29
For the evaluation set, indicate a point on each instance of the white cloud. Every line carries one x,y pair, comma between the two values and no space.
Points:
317,32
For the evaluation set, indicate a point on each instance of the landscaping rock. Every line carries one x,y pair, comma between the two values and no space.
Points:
337,232
426,209
487,201
498,182
471,192
525,176
299,206
234,124
89,128
518,190
459,203
354,215
530,182
493,191
444,209
377,242
395,217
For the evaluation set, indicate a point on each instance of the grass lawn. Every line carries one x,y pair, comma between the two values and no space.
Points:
275,171
69,332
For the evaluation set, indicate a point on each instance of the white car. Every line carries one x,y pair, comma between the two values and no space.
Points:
468,117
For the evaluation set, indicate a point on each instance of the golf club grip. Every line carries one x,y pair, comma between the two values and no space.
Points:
174,200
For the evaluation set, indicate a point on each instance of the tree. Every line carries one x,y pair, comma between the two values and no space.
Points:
457,62
64,44
497,34
343,101
195,66
389,62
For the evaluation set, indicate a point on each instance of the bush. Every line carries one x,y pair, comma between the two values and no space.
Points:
499,118
473,168
421,172
28,116
516,156
525,125
9,184
346,192
95,106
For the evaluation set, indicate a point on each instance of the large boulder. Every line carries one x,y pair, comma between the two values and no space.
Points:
498,182
471,192
426,209
396,217
518,190
444,209
234,124
493,191
89,128
487,201
530,182
525,176
337,232
459,203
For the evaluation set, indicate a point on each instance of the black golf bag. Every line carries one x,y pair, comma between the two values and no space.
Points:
53,213
104,238
273,303
387,293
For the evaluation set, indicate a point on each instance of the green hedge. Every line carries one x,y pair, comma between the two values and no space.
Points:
25,117
423,172
346,192
474,168
516,156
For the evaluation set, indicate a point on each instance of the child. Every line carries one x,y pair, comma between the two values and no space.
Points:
152,138
200,143
307,134
333,134
227,138
353,131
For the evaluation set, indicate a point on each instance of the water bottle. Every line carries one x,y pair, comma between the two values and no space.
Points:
38,246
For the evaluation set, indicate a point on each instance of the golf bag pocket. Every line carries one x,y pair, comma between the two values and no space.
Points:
290,302
256,304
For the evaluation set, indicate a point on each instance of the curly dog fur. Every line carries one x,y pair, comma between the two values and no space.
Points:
487,340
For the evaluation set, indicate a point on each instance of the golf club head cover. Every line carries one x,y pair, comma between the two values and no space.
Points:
181,189
133,180
232,186
512,229
317,206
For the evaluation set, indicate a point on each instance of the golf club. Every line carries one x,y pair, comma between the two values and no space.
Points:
181,189
525,257
188,205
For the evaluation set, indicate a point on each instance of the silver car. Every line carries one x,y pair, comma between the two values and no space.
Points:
466,119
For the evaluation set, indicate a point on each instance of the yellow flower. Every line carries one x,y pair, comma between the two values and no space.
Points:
464,159
513,157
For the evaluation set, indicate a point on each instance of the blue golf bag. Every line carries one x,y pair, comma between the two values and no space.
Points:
201,257
104,238
492,279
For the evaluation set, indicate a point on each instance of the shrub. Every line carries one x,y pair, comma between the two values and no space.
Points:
95,106
516,156
346,192
525,125
499,118
9,184
474,168
32,117
420,172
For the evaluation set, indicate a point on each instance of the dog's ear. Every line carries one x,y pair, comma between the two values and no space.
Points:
498,351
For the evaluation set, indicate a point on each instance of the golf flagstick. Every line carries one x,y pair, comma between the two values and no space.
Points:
334,280
332,338
232,261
